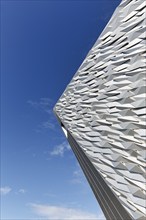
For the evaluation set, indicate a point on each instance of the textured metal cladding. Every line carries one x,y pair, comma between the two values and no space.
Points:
103,107
111,206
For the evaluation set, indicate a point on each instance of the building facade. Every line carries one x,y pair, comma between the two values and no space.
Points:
102,113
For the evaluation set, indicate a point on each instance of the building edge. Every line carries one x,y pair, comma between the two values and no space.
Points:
108,201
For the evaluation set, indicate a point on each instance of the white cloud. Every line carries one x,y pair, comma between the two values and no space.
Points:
60,149
22,191
44,104
52,195
5,190
78,177
48,124
63,213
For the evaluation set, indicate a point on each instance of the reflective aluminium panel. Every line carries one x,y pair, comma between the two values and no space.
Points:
102,112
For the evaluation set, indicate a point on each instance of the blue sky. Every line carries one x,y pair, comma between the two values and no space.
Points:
43,43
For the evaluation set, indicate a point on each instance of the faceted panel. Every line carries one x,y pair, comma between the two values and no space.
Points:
103,107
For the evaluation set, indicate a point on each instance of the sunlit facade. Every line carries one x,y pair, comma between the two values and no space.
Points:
102,113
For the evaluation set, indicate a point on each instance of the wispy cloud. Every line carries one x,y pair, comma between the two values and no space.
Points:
5,190
44,104
51,195
78,177
22,191
48,124
60,149
63,213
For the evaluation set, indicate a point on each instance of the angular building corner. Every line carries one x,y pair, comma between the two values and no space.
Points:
102,112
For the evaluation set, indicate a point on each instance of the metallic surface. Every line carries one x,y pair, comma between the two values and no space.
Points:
103,109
